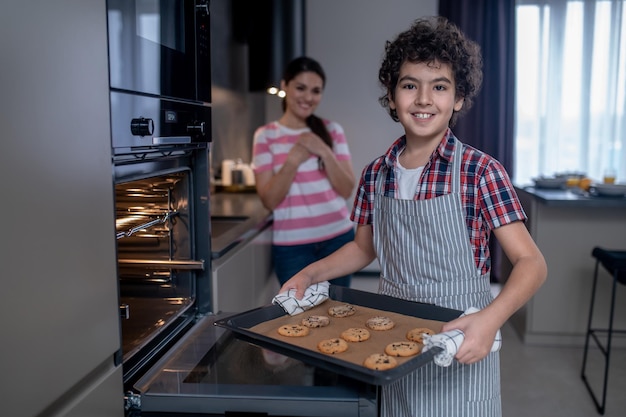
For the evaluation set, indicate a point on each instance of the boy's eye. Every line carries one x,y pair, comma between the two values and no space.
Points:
408,87
440,87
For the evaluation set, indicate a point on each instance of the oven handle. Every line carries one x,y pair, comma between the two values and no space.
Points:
181,265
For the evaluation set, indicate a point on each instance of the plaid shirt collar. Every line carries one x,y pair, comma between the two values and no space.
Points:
445,150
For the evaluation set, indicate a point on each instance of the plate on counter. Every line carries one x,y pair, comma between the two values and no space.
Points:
608,190
550,182
258,326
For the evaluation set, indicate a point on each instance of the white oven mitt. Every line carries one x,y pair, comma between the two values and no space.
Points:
451,340
314,295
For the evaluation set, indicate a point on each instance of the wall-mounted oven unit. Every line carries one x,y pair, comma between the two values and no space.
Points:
159,79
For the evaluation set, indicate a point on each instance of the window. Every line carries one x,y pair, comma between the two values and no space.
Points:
570,88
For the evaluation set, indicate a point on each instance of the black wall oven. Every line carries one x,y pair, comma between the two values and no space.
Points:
159,79
160,48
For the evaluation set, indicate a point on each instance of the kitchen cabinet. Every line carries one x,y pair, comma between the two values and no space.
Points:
566,227
61,330
243,277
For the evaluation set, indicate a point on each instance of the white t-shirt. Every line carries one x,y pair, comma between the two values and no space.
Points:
407,180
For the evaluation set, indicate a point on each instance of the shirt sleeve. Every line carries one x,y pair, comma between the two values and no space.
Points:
340,143
363,208
262,159
500,203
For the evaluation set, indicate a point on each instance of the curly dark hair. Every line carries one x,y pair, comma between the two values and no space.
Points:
429,40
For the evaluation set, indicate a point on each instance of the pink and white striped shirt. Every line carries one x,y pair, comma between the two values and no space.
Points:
312,211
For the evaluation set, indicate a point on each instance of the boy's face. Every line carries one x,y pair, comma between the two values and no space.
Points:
425,99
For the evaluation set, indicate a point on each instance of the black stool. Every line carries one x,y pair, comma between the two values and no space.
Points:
614,262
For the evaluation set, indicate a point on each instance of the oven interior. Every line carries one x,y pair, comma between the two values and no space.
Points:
156,262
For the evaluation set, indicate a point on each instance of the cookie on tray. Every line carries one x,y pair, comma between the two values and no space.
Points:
316,321
380,323
293,330
355,334
416,335
403,349
342,310
332,346
380,362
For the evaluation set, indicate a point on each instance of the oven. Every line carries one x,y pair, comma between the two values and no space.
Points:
163,248
175,360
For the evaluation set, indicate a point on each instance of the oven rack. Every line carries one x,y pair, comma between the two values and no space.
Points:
160,219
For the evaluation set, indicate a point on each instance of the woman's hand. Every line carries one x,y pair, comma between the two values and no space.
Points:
314,144
339,173
298,154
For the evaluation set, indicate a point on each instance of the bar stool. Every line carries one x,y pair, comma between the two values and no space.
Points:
615,263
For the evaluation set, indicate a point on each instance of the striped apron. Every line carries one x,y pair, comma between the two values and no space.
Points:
425,255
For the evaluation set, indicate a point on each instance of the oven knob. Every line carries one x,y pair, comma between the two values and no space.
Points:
142,127
197,128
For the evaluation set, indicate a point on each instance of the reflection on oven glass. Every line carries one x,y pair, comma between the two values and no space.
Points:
243,363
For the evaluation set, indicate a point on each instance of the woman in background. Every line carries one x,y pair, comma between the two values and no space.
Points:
304,175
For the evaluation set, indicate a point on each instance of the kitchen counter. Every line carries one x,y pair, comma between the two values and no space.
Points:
571,197
235,218
241,251
566,226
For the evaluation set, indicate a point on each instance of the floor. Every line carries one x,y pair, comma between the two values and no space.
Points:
545,381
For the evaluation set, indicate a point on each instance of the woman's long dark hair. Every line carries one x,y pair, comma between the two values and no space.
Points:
306,64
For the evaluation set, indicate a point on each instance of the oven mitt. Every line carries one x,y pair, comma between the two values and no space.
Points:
451,340
314,295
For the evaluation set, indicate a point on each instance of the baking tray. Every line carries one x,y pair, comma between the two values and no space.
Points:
241,324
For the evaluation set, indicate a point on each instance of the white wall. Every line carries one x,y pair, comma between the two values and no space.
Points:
348,38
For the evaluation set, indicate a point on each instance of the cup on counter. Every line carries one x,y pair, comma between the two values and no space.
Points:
227,172
609,176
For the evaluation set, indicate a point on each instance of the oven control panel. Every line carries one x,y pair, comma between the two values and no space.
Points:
139,122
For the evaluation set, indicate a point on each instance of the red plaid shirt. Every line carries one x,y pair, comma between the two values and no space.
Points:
488,195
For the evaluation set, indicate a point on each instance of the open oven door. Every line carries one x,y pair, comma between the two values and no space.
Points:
212,373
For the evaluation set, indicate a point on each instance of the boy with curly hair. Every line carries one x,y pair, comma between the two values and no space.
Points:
426,209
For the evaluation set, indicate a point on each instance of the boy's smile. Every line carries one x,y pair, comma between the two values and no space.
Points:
425,99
